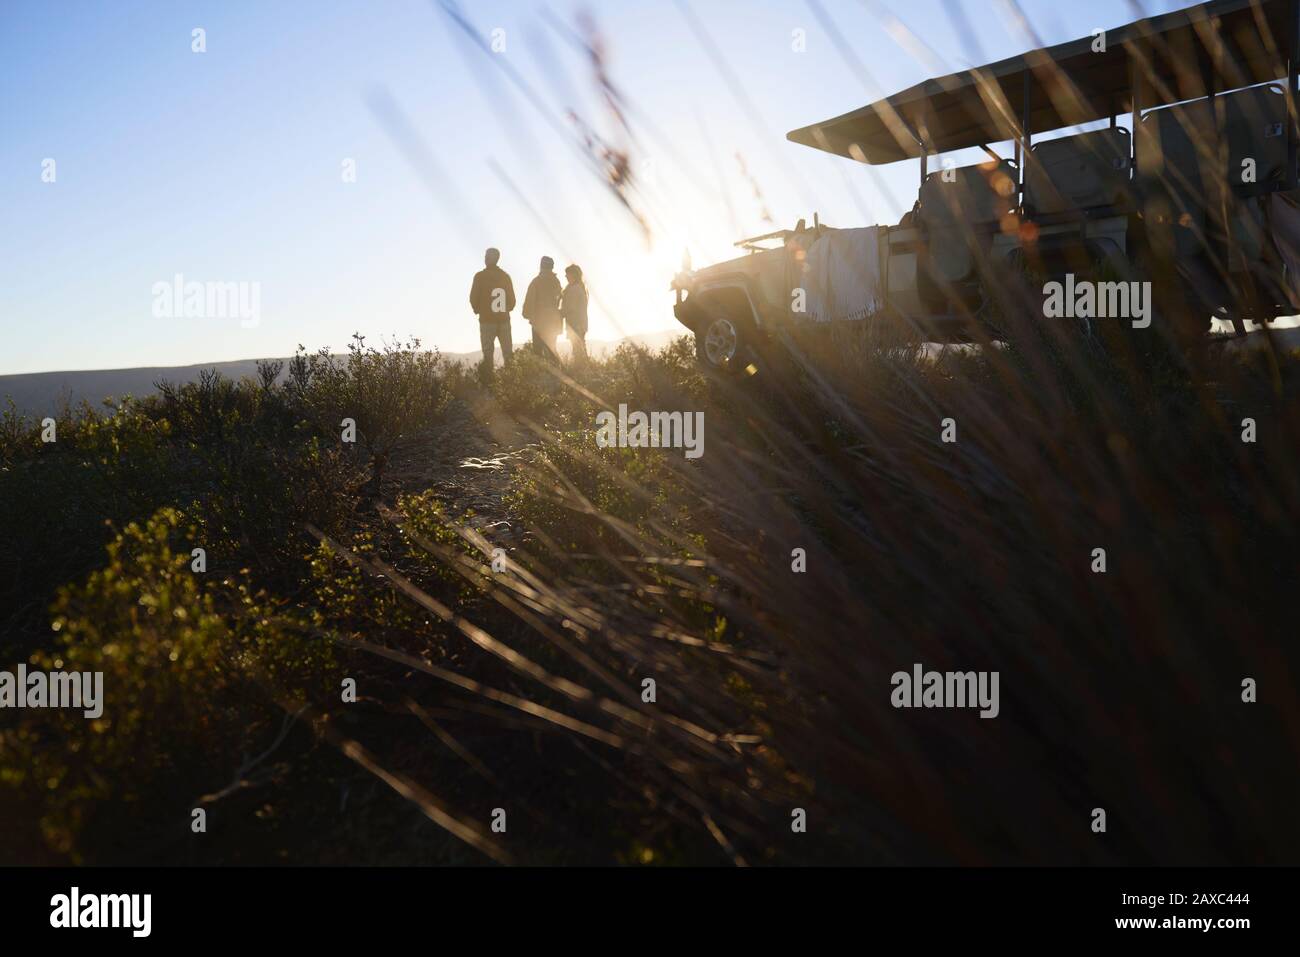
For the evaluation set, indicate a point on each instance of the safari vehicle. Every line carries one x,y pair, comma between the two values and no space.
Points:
1197,194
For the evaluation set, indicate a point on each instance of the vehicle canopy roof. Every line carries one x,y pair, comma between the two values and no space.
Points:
1220,45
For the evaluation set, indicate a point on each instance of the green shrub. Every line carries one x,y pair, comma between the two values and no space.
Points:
389,393
191,676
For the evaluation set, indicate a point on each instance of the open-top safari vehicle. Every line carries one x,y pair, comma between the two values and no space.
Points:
1170,159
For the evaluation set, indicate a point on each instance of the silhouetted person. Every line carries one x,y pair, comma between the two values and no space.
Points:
492,297
573,307
542,308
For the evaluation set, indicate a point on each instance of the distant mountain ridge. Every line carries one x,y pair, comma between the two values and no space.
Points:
44,393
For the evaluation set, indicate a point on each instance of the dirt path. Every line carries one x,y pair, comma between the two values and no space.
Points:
468,458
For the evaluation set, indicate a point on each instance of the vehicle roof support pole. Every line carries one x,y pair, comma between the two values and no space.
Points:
1135,91
1025,140
1222,196
1292,133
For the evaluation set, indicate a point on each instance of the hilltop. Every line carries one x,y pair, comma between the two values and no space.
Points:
45,392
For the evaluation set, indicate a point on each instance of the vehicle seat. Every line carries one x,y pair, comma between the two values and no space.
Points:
969,195
1178,180
1254,124
952,202
1084,171
1174,182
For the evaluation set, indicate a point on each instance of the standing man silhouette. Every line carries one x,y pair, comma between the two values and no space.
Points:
542,309
492,297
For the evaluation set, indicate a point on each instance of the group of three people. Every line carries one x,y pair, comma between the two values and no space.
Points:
550,309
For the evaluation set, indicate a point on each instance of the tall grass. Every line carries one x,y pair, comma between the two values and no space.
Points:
510,670
1122,690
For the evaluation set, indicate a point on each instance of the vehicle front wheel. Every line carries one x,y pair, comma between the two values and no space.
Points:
721,344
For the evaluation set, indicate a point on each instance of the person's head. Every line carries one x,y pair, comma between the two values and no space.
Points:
548,264
491,257
573,272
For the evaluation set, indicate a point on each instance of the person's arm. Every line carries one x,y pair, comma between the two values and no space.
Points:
566,305
510,295
474,294
528,300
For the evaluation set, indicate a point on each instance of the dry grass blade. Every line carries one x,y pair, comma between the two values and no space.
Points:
432,808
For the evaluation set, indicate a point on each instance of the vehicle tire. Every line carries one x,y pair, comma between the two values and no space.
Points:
723,343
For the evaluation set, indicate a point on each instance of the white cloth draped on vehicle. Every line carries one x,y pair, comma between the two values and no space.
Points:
842,275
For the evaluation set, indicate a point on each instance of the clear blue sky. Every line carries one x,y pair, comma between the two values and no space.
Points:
225,166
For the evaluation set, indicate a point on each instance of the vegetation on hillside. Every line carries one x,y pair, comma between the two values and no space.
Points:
500,654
